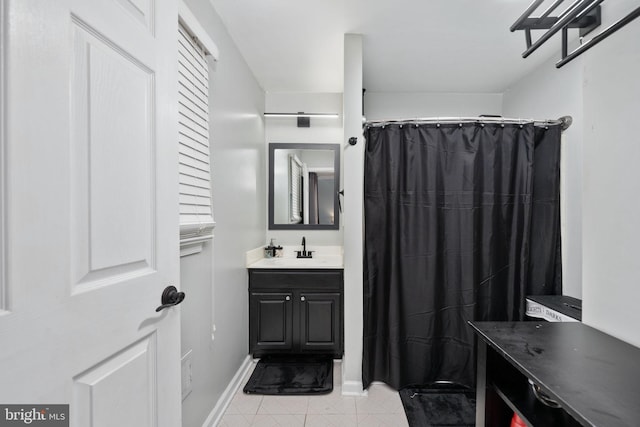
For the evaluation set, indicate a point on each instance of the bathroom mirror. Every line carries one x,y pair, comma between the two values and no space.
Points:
304,182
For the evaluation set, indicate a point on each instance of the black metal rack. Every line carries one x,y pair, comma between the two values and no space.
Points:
582,14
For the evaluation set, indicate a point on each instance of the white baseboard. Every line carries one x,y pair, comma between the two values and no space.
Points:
353,388
227,396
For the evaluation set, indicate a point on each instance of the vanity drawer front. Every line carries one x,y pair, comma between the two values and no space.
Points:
299,279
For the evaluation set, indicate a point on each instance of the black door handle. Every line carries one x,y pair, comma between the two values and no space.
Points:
170,297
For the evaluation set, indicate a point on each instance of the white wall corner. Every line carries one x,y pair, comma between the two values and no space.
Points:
353,156
225,399
351,387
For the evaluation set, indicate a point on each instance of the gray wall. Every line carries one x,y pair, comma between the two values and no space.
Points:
549,93
611,232
215,280
601,90
392,105
322,131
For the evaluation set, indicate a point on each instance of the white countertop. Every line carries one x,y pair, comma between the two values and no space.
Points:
323,257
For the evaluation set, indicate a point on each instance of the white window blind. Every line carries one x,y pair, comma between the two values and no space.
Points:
295,190
196,212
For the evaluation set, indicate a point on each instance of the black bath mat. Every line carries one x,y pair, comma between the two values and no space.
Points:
291,375
439,407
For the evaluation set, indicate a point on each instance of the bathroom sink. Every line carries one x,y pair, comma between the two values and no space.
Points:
319,261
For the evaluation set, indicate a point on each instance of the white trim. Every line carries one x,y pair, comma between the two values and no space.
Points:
353,388
188,19
4,299
190,248
225,399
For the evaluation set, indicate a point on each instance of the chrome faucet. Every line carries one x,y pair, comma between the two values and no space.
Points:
304,253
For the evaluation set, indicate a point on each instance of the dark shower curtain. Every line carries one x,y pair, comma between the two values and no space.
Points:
461,223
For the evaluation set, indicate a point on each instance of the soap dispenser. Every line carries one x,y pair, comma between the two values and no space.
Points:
270,251
278,251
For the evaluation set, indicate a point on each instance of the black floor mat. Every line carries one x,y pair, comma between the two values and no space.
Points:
291,375
439,407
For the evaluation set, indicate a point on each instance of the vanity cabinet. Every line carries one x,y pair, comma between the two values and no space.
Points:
296,311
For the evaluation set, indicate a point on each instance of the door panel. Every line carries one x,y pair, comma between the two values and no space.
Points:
142,10
319,321
320,328
112,122
100,389
91,210
271,327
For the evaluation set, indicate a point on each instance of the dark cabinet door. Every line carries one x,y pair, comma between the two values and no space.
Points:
271,322
320,326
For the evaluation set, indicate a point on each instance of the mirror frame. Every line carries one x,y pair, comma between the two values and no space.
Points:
336,167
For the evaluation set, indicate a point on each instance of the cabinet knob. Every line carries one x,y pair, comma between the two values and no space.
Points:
287,298
302,298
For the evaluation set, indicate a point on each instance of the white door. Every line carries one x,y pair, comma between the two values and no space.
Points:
90,209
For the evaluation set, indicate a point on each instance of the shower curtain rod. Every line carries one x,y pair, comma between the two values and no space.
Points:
564,121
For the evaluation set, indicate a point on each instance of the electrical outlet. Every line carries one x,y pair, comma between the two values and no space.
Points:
213,332
187,374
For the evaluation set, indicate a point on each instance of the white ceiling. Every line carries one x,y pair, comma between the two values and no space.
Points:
409,45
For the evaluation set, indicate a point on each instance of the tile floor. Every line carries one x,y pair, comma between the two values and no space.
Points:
381,408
